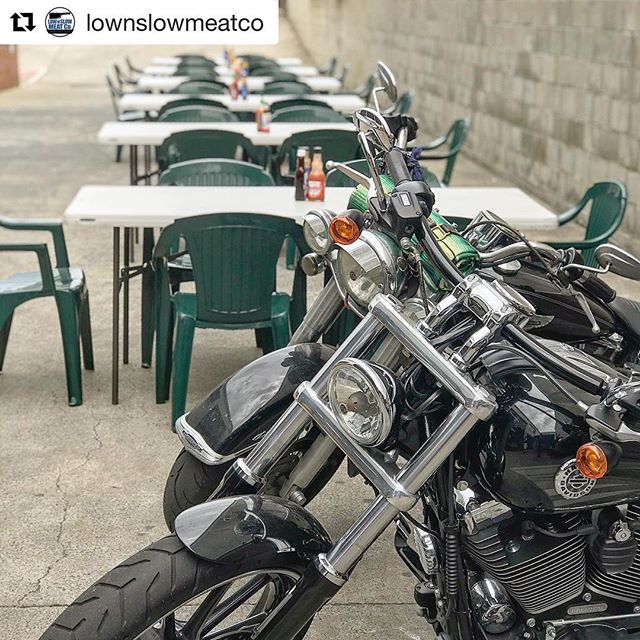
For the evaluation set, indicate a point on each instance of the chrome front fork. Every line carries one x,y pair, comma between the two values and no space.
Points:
320,315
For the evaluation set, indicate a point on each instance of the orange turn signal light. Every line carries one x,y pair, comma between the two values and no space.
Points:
344,230
591,461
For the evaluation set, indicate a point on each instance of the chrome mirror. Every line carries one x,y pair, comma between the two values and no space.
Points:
370,121
387,81
618,261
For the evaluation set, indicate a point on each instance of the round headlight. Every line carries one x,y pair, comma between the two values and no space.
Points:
363,397
368,267
316,230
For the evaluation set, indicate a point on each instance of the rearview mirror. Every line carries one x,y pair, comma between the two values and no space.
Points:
618,261
387,81
370,121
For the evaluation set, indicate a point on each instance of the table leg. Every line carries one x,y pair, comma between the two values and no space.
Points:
133,164
115,336
148,300
125,302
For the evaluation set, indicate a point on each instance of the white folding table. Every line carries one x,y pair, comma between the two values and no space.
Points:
300,71
153,206
219,60
255,84
149,134
345,103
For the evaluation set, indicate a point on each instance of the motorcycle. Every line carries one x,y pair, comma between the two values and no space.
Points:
519,453
573,306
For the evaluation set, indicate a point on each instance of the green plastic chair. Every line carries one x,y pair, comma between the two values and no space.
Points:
454,138
201,87
366,89
608,203
234,259
197,113
66,284
307,114
195,101
330,67
208,143
274,72
402,104
286,87
206,173
297,102
199,71
335,177
337,145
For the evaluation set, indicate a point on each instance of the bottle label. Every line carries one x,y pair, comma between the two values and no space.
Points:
315,189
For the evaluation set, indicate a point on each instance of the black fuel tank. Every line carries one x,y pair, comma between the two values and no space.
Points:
525,455
569,324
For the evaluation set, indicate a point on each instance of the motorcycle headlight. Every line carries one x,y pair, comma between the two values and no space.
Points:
315,228
368,266
363,396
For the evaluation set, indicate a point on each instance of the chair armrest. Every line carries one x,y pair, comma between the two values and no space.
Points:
44,262
581,244
570,214
434,144
54,227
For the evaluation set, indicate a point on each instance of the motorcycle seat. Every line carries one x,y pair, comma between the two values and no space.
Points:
628,312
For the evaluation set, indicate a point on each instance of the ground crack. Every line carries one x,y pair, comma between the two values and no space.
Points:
65,513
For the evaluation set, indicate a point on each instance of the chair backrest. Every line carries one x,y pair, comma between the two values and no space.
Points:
193,56
198,113
234,258
608,204
337,144
307,114
402,104
272,70
276,105
456,135
121,79
200,87
190,102
216,173
335,177
366,89
286,87
208,143
342,76
330,67
196,72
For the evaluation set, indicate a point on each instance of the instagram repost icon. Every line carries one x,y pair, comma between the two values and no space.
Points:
60,22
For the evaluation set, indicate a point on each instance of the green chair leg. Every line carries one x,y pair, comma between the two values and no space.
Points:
4,337
185,328
85,333
68,314
264,339
280,326
119,153
292,251
164,339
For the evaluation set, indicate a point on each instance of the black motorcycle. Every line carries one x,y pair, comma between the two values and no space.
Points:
573,305
520,456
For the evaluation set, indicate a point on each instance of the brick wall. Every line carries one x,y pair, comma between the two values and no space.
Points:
552,86
8,67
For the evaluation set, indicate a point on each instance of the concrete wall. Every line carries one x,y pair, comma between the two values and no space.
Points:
552,86
8,66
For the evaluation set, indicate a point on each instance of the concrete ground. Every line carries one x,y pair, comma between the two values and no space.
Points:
82,487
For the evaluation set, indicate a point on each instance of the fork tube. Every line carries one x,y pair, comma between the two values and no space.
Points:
248,473
324,578
320,316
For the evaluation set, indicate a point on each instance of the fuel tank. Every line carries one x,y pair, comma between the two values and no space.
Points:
526,456
569,324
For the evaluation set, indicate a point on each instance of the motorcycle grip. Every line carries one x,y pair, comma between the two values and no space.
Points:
396,166
597,288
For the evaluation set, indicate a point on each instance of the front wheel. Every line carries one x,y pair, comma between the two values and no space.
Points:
164,592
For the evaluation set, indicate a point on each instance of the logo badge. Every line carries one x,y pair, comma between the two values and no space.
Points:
60,22
570,483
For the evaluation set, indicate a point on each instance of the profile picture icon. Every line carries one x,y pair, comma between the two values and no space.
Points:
60,22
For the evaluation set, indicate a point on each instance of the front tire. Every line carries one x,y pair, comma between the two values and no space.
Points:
142,596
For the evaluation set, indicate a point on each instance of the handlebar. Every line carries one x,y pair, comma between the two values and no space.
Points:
397,166
596,287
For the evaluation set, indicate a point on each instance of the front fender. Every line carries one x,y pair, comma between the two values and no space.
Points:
237,413
252,530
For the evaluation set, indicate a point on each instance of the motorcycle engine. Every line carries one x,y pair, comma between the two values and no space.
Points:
548,571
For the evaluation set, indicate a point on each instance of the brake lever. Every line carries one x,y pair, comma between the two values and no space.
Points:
584,305
350,172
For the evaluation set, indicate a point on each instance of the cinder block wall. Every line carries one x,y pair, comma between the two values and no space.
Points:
8,66
552,86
